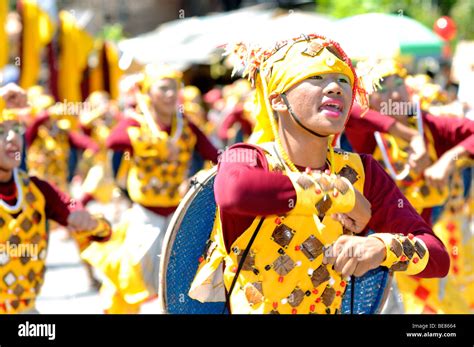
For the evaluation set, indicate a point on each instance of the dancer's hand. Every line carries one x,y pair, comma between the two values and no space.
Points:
14,96
81,221
357,219
419,158
355,255
437,174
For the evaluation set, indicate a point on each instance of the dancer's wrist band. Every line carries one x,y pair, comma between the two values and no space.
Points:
404,253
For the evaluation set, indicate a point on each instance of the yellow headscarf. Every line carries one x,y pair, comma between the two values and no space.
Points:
428,92
371,72
38,99
190,93
390,67
286,65
9,115
155,73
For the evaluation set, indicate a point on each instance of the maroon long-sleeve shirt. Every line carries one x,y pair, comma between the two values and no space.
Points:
76,139
246,188
235,116
119,140
360,130
447,132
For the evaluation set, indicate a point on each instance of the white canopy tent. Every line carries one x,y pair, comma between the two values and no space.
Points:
197,40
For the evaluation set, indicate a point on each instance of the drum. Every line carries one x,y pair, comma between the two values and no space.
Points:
185,241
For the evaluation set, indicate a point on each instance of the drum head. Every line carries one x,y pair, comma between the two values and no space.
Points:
184,243
370,292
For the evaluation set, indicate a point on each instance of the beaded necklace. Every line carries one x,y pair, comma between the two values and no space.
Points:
19,201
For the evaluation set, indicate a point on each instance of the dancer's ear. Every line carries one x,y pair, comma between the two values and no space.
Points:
277,102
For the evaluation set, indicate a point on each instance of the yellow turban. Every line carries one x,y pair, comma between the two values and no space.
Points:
38,99
372,71
428,92
97,97
154,73
8,115
190,93
390,67
288,64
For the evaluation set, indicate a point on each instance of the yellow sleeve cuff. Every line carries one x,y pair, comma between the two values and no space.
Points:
404,253
102,230
390,243
306,196
342,196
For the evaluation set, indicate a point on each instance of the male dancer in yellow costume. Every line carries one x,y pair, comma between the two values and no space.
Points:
26,203
289,204
448,142
158,141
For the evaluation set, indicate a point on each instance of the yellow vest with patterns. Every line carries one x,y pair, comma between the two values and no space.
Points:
154,177
283,272
24,242
413,187
48,156
455,293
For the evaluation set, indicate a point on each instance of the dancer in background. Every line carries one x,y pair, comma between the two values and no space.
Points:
421,167
26,204
158,141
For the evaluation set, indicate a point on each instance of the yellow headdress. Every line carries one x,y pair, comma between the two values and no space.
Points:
190,93
38,99
428,92
9,114
371,72
390,67
287,64
155,73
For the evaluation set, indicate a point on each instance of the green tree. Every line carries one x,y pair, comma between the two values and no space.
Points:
463,13
424,11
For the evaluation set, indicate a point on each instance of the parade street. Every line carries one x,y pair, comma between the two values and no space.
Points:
67,288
